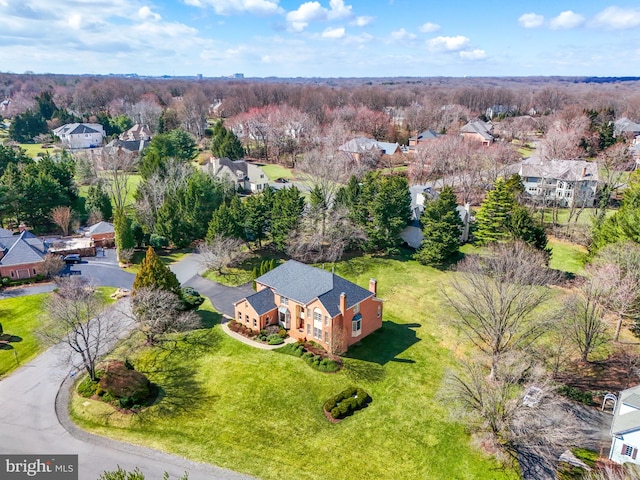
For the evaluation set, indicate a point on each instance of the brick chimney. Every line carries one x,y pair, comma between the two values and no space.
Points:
343,303
373,286
584,171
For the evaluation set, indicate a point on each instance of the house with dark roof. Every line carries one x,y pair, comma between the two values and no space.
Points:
359,146
625,127
625,427
103,234
478,131
244,175
312,304
21,256
80,135
423,137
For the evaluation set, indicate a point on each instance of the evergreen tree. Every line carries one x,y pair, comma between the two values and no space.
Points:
288,205
46,107
122,227
225,143
98,199
27,125
493,220
257,211
155,274
525,228
441,227
226,222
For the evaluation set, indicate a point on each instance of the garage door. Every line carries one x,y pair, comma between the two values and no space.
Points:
23,273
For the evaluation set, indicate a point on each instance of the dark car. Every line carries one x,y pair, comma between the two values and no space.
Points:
72,258
282,180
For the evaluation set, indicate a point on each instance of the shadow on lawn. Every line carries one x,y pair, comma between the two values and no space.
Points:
6,340
386,344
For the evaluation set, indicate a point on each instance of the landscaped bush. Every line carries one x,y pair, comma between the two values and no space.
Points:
240,328
275,339
128,387
315,360
158,241
295,349
191,298
346,402
87,387
575,394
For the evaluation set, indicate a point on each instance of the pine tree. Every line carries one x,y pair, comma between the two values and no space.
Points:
493,220
155,274
441,227
225,143
124,235
525,228
288,205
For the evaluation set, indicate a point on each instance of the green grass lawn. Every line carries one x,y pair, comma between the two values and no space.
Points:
166,256
260,412
20,317
243,273
585,218
277,171
567,256
33,149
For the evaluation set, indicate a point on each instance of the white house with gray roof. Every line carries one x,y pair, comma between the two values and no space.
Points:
625,427
312,304
567,182
22,255
244,175
80,135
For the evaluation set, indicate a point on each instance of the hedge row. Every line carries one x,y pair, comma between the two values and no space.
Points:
326,365
346,402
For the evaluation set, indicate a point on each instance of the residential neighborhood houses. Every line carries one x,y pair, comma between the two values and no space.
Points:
398,246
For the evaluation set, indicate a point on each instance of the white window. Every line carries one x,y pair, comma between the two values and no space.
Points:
356,325
317,324
629,451
326,320
379,310
356,308
308,329
284,301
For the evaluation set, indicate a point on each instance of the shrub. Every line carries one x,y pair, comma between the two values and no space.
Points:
127,386
575,394
275,340
87,387
191,298
158,241
346,402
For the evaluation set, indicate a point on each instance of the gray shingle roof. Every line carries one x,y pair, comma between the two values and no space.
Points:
82,128
426,135
101,227
630,421
568,170
21,249
304,284
479,127
262,301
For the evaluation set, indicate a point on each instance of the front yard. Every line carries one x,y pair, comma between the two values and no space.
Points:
260,412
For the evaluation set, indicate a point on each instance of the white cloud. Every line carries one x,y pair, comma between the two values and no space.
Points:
333,33
362,21
402,34
567,20
314,12
230,7
450,44
473,54
75,21
429,27
531,20
145,13
617,18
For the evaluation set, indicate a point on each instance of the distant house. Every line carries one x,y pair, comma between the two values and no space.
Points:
136,133
420,194
134,140
360,146
21,256
244,175
567,182
625,127
625,427
478,131
423,137
312,304
80,135
102,233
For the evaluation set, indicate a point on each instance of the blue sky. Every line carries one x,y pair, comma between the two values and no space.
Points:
324,38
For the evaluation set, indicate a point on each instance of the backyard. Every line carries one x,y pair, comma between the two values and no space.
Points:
260,412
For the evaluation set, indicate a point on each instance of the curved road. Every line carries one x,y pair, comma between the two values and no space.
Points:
29,425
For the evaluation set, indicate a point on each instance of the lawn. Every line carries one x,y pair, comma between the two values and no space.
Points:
33,149
243,273
20,318
277,171
567,256
167,257
260,412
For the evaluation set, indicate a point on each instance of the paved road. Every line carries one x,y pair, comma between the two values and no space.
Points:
221,296
102,271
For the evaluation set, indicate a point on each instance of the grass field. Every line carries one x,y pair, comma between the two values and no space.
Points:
277,171
20,317
567,256
166,256
585,218
260,412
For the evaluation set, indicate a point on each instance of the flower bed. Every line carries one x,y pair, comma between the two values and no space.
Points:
272,335
346,403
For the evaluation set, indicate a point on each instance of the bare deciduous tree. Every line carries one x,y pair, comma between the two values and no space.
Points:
52,265
118,166
221,252
159,312
61,216
518,413
496,296
584,314
77,319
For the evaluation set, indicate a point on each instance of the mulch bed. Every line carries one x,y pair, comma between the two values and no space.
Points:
330,418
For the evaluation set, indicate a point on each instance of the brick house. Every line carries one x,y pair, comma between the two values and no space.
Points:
478,131
21,256
312,304
102,233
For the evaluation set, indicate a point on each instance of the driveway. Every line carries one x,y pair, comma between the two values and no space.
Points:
30,426
102,271
221,296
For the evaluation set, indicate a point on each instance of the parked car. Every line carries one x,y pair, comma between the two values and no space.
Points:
72,258
282,180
